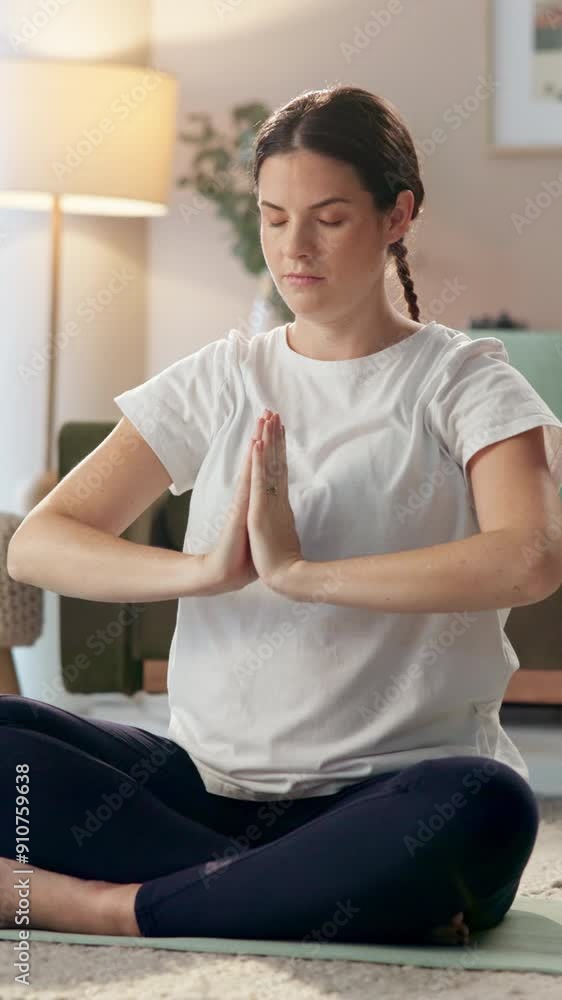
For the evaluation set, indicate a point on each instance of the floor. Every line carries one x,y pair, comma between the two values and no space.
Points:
536,730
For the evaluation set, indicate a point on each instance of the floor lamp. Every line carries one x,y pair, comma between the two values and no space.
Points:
85,138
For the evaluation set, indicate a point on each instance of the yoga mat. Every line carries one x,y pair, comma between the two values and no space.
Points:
529,939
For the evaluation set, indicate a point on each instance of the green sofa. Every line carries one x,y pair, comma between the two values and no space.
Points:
103,645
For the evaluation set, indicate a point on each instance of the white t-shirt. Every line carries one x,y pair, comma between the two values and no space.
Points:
274,698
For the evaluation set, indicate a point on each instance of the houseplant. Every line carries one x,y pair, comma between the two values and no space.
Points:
221,173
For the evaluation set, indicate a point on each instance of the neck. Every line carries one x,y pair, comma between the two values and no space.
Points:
343,340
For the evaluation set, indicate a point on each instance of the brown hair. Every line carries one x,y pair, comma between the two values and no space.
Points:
362,129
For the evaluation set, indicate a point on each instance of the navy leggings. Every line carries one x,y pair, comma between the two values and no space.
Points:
380,861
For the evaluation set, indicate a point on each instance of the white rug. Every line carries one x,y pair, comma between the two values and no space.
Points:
61,971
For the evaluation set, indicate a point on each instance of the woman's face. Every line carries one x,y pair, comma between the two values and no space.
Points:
344,242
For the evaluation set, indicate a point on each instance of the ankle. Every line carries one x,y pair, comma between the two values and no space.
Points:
117,910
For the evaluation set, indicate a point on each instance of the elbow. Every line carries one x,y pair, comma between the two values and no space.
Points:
11,566
544,579
14,558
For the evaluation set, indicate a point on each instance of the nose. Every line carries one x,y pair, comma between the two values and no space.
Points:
299,242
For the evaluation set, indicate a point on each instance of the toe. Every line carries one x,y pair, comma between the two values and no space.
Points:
454,933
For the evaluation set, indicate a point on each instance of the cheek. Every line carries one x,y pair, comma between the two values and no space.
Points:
357,252
344,252
269,245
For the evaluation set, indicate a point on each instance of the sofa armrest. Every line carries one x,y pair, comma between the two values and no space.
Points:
95,645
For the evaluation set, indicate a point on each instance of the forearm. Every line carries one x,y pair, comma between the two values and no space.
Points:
58,553
483,572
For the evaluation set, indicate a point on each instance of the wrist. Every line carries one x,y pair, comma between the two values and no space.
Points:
209,583
290,580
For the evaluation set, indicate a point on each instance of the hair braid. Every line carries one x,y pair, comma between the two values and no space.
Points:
399,250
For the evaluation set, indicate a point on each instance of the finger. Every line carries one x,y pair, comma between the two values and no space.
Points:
270,469
283,455
262,422
276,467
247,465
278,461
257,478
244,479
258,436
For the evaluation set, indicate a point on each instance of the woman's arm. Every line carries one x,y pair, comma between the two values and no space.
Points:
483,572
58,553
515,559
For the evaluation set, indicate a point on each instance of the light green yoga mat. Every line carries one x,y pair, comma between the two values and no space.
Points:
529,939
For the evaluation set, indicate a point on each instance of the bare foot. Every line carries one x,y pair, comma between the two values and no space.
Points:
455,932
52,901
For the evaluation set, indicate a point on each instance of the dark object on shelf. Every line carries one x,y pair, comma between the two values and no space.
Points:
503,321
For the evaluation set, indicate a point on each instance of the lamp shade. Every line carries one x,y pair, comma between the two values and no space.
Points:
100,136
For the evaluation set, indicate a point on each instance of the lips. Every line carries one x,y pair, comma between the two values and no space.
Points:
302,279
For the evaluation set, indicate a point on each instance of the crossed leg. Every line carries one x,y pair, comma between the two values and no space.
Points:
359,854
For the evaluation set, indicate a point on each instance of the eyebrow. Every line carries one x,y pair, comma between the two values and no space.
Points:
318,204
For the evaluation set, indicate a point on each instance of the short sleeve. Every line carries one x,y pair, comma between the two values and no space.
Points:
479,398
178,410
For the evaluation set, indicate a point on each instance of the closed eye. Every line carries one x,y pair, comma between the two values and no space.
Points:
274,225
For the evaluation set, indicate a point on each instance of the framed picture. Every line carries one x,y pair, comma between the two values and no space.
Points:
524,61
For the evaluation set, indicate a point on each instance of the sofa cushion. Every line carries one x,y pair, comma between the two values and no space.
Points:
175,514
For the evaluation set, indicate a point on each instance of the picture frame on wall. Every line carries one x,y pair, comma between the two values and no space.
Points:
524,61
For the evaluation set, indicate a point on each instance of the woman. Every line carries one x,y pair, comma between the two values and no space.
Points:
335,766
